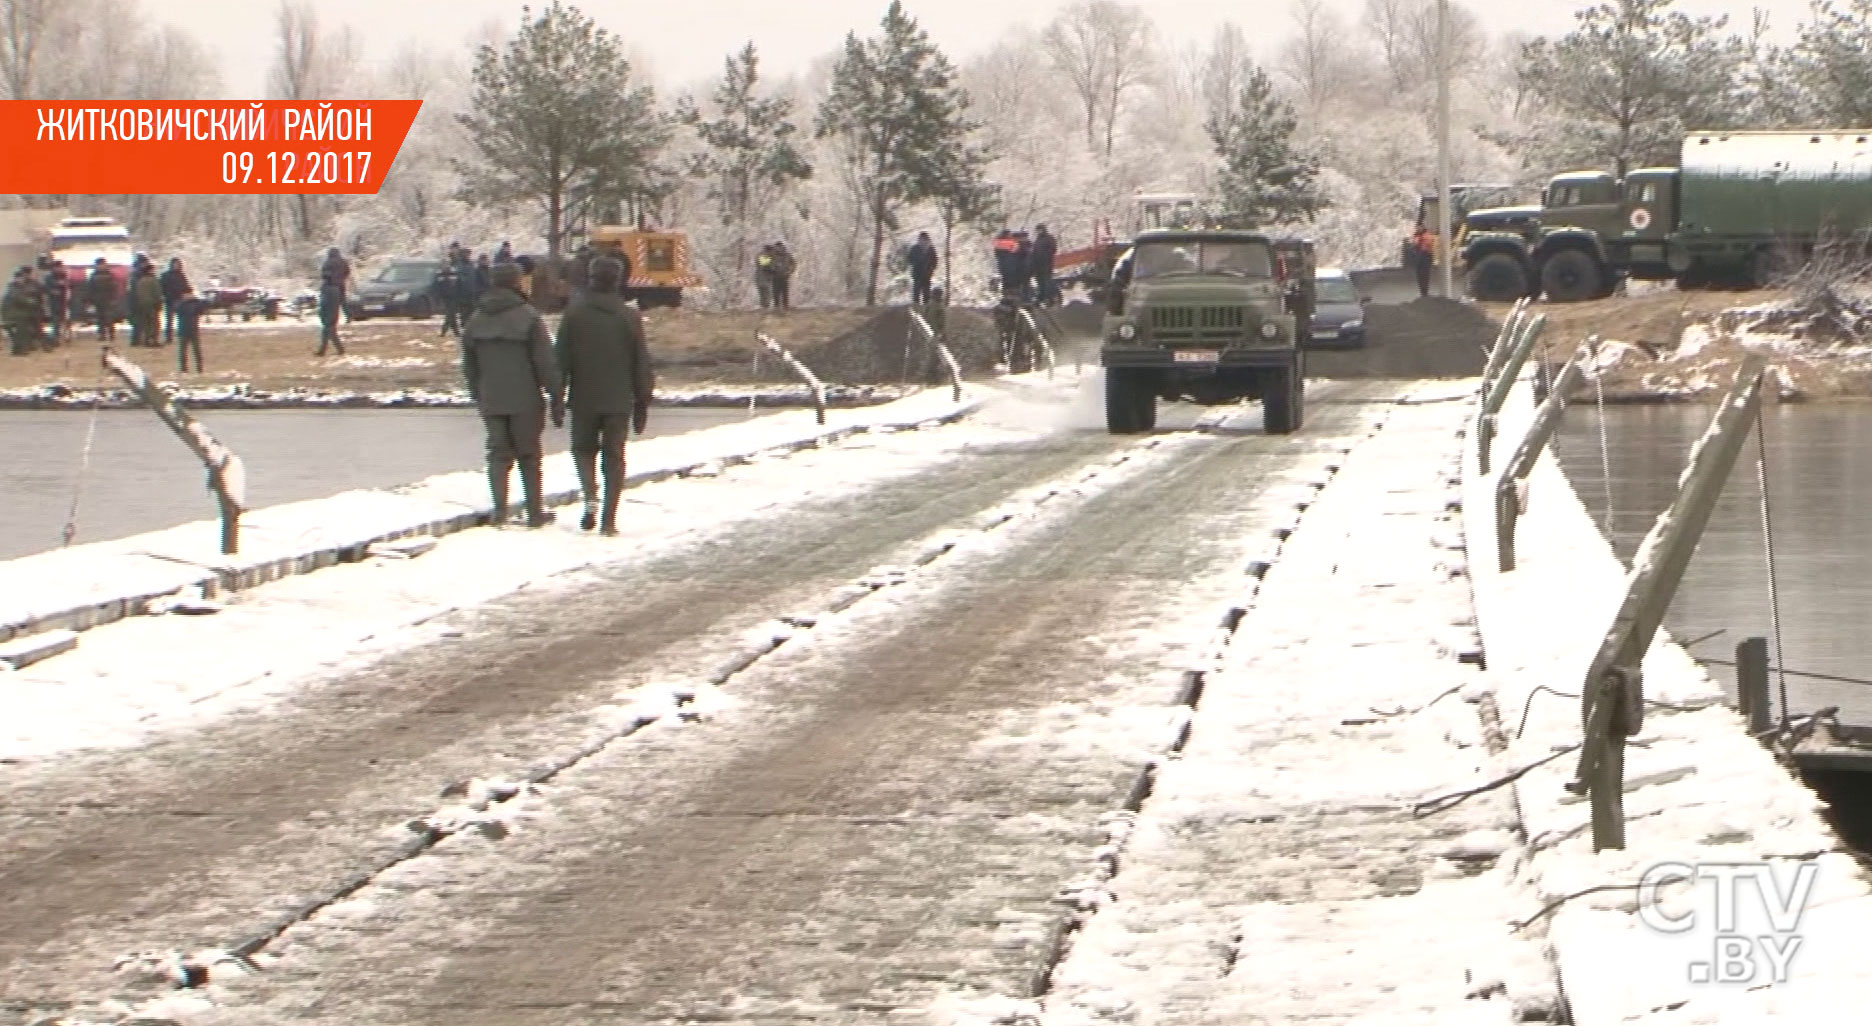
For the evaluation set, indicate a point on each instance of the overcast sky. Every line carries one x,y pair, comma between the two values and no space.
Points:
687,39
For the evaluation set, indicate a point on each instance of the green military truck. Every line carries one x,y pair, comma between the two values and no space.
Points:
1741,208
1209,316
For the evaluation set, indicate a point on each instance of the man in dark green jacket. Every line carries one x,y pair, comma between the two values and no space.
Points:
604,363
507,359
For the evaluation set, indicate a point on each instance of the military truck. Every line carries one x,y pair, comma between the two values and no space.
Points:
1741,208
1209,316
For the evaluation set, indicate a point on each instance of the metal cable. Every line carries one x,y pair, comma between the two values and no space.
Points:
70,530
1767,522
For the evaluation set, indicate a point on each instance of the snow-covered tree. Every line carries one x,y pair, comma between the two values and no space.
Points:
1103,48
750,153
902,123
557,121
1830,67
1264,177
1621,89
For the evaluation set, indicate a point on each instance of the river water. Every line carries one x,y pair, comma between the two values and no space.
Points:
1819,476
141,478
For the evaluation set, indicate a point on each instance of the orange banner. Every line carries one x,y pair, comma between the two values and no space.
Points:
200,148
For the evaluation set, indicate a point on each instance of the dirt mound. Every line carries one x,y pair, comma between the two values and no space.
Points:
886,349
1424,338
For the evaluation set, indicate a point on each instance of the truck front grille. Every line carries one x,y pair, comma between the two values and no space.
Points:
1198,323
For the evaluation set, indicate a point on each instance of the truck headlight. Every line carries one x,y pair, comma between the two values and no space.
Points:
1127,332
1353,325
1270,330
400,297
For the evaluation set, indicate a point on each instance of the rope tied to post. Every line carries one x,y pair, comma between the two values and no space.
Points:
70,531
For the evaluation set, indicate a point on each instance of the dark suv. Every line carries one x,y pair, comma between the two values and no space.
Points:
404,288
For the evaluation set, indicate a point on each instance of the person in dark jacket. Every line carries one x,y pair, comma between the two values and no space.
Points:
102,295
1045,250
22,311
504,255
604,365
334,282
483,277
922,260
1006,258
783,267
578,275
146,306
446,289
508,363
188,311
465,291
1023,267
175,285
58,296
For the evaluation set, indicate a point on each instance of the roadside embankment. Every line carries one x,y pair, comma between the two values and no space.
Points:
1700,794
87,585
703,358
1662,345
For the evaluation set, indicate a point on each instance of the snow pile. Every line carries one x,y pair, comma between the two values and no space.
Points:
387,363
1700,791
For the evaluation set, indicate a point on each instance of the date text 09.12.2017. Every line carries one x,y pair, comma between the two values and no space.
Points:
289,167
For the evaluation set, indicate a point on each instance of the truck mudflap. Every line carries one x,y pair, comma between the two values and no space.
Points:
1194,358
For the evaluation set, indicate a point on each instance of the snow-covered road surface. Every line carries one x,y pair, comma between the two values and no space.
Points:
876,816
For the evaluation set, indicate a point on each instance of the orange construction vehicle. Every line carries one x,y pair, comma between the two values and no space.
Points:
659,263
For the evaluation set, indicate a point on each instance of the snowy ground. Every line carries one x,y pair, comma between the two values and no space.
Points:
1699,792
1278,872
877,813
241,396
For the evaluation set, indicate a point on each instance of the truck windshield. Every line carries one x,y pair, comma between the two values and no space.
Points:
1242,259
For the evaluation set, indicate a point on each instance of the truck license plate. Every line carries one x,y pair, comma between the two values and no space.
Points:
1197,356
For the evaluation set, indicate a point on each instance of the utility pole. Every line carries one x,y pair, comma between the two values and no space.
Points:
1444,230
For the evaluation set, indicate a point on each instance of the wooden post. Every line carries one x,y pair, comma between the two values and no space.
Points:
1496,389
1511,487
1612,698
1752,685
805,372
1511,326
227,477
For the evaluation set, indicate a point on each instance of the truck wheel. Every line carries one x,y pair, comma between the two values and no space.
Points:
1145,400
1498,278
1282,399
1121,407
1571,276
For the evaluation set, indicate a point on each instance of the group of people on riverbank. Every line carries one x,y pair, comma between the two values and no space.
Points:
43,304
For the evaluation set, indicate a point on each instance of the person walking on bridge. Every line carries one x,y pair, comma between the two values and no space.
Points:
102,294
507,361
604,368
923,261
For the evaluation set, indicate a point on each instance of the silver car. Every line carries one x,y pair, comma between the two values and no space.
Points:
1338,311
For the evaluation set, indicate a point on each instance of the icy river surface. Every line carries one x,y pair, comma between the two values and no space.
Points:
140,477
1819,492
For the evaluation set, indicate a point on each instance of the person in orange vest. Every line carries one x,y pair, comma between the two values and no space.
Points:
1423,256
1008,261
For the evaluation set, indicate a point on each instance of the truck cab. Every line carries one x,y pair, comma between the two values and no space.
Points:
1210,317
